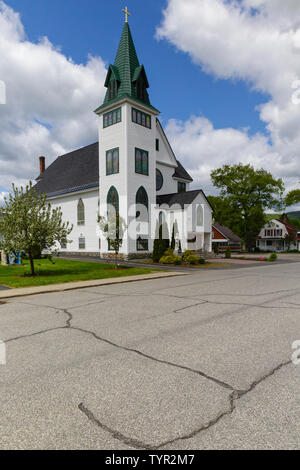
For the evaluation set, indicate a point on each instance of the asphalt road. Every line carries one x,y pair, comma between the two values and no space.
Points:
201,361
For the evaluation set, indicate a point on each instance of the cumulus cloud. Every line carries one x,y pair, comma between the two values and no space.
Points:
49,100
257,41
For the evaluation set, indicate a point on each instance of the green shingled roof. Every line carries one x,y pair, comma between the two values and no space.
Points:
126,70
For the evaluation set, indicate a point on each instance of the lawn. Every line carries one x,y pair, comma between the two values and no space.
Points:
60,271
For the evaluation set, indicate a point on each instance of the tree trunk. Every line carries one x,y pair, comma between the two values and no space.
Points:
31,264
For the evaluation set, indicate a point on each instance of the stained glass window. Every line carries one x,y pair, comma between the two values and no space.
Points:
138,161
112,161
141,118
113,198
141,162
80,213
113,117
145,163
116,161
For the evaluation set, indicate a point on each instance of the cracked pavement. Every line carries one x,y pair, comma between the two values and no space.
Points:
201,361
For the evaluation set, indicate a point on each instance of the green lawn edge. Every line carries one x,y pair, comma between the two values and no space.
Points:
62,271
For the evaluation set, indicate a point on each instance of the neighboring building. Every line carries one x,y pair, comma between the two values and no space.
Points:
224,238
273,236
132,168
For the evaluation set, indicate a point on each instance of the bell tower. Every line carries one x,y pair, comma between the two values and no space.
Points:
127,146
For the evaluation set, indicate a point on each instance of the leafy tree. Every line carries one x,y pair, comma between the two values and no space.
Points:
226,214
31,225
256,221
113,227
293,197
246,189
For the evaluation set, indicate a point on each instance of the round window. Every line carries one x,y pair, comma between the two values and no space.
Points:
159,180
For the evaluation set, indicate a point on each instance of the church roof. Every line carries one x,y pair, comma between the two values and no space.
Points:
126,71
181,173
77,171
72,172
179,198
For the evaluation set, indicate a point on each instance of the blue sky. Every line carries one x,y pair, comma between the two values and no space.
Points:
211,119
177,86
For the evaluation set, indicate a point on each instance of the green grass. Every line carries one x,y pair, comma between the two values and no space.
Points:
60,271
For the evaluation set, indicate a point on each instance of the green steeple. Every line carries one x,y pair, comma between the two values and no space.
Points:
126,78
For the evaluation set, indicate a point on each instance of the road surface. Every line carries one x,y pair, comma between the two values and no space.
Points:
200,361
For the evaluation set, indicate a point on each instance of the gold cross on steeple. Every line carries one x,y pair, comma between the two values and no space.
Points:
126,14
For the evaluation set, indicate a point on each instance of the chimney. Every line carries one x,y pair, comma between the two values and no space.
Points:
284,218
42,164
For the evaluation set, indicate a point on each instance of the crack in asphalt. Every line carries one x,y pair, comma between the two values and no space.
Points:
233,398
115,434
155,359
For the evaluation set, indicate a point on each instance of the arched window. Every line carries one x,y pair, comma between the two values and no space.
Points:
200,215
80,213
159,180
112,200
142,205
112,212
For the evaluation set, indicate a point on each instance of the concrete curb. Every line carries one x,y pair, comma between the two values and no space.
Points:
26,291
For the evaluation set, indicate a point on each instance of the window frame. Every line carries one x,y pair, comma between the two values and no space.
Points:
81,247
80,221
112,151
141,240
179,183
142,161
111,113
141,114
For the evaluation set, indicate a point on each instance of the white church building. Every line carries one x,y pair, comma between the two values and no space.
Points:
132,166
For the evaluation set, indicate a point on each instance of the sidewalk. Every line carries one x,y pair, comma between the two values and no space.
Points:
25,291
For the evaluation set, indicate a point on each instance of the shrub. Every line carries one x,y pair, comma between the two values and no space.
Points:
170,259
202,261
169,252
272,257
193,259
228,253
186,255
159,248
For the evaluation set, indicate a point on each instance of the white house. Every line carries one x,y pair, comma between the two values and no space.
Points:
278,235
132,168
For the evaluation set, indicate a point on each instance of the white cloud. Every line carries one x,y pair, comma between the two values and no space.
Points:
257,41
49,101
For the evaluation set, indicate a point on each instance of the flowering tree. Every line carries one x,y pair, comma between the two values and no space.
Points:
30,224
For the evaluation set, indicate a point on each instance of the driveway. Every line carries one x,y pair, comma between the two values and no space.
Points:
201,361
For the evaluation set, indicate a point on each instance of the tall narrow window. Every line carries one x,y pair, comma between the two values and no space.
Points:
181,187
157,145
200,215
113,199
80,213
112,210
142,215
142,205
141,162
81,243
112,161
